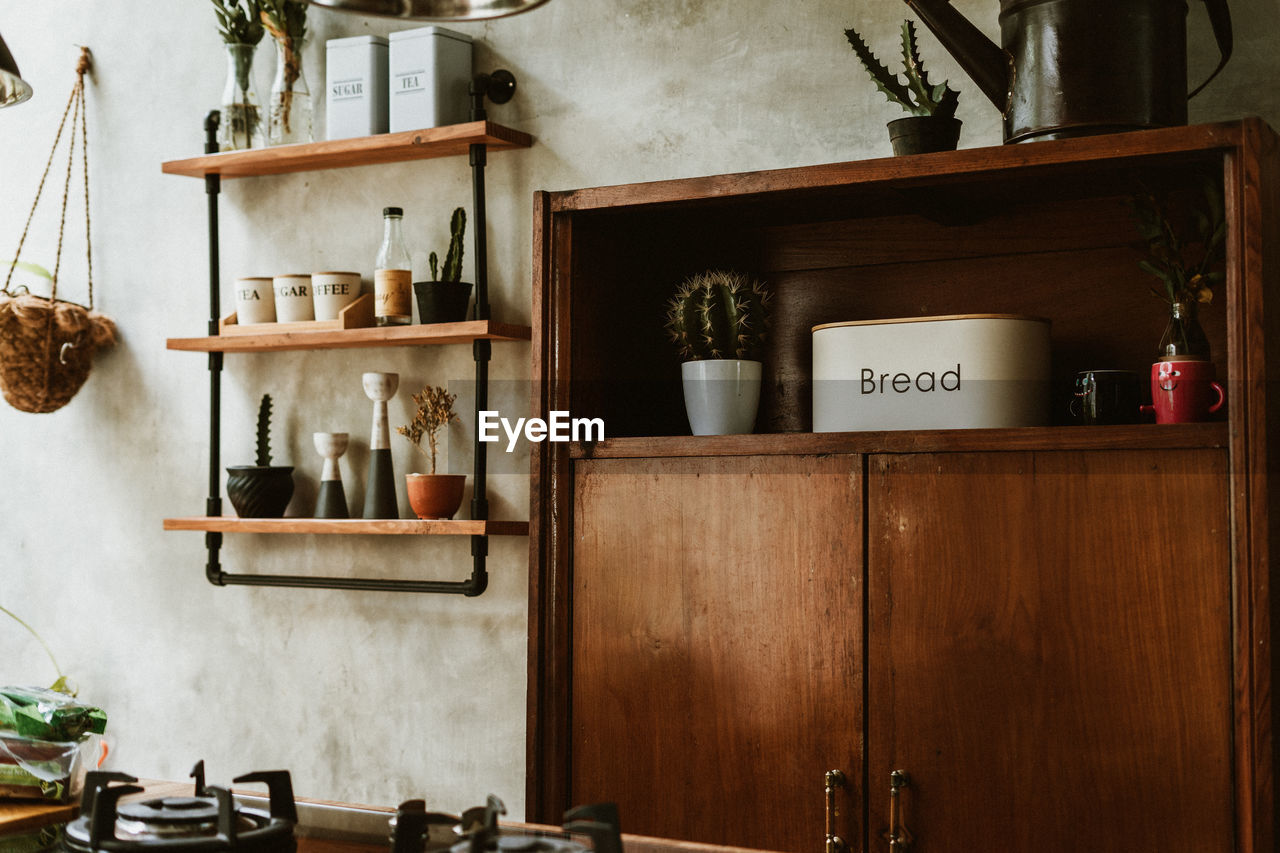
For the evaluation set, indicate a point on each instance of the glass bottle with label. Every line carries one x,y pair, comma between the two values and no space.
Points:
392,275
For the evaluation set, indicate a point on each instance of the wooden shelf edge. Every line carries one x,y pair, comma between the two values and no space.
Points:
434,334
448,141
388,526
1130,437
1170,141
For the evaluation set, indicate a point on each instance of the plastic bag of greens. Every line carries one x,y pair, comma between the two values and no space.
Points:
35,712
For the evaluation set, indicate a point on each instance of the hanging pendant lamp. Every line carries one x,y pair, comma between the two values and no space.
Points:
433,10
13,89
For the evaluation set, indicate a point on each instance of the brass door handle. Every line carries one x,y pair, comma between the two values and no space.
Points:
834,779
898,836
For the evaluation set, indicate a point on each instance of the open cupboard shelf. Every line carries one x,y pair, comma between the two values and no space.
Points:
473,139
1128,437
378,336
386,527
1041,229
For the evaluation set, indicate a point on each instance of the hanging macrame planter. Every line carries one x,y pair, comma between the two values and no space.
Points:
47,345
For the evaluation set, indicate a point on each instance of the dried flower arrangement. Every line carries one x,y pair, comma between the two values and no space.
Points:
435,410
1185,243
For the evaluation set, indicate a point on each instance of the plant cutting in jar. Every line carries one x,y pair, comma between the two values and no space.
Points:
286,21
432,495
240,25
931,125
444,298
1185,240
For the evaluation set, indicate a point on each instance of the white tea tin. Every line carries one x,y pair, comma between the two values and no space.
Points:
961,371
355,86
255,300
430,78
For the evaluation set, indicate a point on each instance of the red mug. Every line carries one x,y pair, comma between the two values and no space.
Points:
1183,391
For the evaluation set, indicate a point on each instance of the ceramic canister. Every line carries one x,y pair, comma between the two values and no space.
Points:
960,371
333,291
293,298
255,300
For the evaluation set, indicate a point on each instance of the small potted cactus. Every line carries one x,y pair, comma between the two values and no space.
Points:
932,124
718,321
432,495
444,298
262,490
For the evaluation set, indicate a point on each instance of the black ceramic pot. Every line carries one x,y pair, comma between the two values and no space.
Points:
259,491
442,301
924,134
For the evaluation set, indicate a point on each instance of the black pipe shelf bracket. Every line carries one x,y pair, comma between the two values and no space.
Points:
499,88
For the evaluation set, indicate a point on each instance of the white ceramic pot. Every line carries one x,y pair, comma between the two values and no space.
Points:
721,395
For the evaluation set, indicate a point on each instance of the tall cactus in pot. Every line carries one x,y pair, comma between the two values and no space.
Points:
718,314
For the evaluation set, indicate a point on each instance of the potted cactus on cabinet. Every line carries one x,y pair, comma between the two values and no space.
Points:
444,298
432,495
931,124
261,490
718,321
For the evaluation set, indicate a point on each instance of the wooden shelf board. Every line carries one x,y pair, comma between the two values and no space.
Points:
390,526
1137,436
378,336
1173,142
449,141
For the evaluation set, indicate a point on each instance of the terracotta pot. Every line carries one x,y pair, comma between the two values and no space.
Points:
435,495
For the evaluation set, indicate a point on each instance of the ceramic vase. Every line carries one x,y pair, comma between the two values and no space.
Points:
331,502
380,487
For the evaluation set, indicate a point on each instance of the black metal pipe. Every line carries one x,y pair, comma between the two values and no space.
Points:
472,586
213,503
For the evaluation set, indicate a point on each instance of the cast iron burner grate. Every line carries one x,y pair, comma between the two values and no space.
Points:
208,820
415,830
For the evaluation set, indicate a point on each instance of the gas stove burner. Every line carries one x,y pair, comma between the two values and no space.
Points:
208,820
415,830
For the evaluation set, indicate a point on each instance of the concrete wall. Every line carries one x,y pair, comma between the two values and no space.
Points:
366,696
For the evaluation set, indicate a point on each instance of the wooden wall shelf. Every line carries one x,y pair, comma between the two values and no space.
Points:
384,336
388,526
450,141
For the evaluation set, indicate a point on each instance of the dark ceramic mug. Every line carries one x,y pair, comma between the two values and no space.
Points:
1106,397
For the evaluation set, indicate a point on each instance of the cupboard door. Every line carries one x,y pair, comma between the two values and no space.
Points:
717,645
1049,650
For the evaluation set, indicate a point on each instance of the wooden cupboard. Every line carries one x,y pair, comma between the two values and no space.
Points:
1061,634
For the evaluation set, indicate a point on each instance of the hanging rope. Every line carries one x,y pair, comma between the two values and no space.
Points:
47,345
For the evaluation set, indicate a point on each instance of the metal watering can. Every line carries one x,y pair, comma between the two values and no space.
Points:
1080,67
